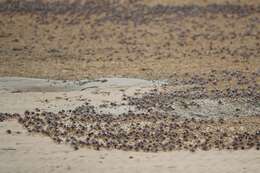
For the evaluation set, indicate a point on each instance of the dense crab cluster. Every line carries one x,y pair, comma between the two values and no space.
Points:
143,132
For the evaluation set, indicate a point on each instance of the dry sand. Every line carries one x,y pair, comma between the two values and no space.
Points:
73,46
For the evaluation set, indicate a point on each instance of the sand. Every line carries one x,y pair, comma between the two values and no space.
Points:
73,46
20,94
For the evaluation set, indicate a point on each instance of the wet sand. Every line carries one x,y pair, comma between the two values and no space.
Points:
57,95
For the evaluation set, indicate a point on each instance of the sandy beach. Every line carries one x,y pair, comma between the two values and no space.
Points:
129,86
